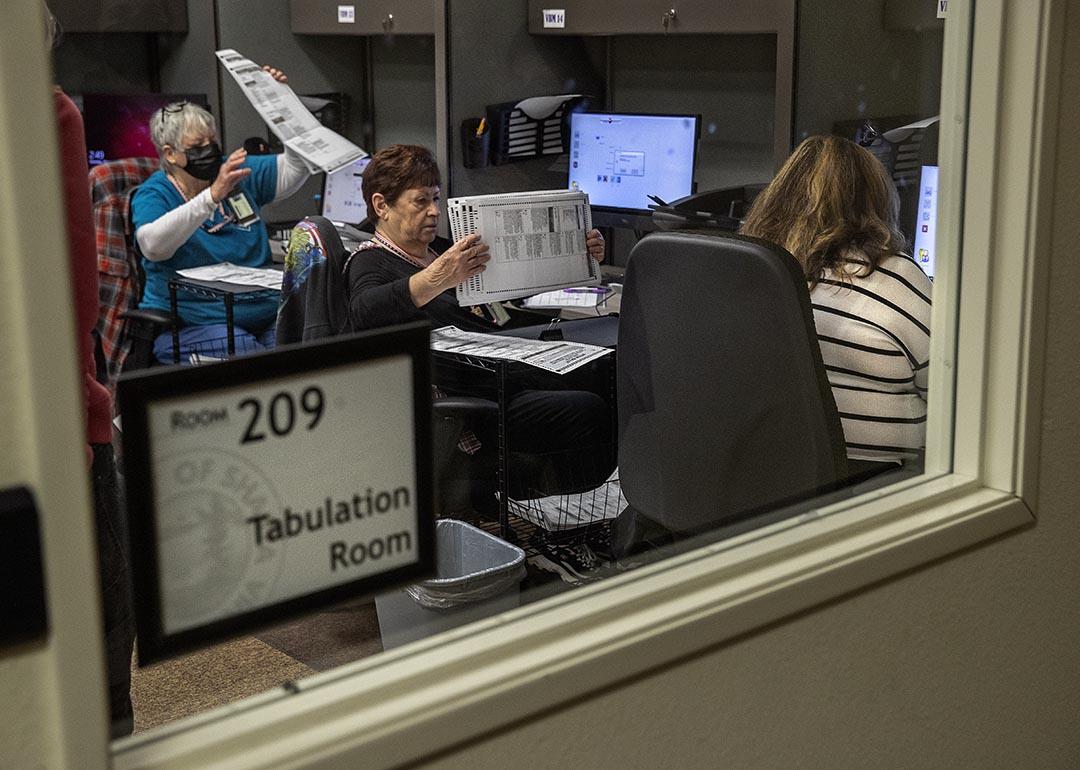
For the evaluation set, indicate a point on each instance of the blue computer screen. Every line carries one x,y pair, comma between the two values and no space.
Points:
926,219
621,159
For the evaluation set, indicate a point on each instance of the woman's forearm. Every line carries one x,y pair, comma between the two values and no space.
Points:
422,289
291,173
159,240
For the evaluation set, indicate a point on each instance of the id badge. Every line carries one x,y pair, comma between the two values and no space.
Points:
242,209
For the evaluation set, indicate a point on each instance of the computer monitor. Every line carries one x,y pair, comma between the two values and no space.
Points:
118,125
926,219
343,194
621,159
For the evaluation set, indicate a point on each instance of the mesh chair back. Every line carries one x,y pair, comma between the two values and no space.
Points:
724,404
119,277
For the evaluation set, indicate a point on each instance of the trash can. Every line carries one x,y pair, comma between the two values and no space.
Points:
476,575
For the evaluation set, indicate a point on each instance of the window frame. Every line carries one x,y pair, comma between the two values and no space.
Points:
980,479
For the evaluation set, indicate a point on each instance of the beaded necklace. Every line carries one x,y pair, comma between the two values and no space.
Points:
397,251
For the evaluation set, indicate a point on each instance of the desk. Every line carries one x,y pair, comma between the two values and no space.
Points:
230,293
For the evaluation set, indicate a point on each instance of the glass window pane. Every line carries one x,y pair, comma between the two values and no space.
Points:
744,382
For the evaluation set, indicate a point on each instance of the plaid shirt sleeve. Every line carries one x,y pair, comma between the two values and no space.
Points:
111,185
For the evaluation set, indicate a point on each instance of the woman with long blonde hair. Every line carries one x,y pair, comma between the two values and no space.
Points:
833,206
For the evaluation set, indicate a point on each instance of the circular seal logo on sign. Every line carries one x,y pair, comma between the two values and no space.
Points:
210,566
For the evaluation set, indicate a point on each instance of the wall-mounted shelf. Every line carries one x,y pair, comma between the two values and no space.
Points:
121,15
384,17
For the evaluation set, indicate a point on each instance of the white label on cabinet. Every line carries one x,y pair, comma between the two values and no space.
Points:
942,8
346,14
554,18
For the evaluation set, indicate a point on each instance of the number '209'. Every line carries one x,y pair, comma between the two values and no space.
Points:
280,413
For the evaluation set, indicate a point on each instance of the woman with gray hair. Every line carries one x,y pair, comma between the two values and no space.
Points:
202,209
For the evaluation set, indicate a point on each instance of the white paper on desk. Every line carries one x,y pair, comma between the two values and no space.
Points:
266,277
557,357
537,242
564,298
287,116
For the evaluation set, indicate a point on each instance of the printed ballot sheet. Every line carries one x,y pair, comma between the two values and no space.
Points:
287,117
227,272
537,242
557,357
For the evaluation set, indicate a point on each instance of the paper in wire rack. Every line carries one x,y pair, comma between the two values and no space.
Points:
537,242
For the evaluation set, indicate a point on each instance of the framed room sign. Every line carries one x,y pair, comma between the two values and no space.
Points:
267,486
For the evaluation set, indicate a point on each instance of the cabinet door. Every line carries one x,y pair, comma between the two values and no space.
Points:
639,17
362,17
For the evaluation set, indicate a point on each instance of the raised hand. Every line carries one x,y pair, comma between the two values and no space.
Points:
232,171
594,242
460,262
275,73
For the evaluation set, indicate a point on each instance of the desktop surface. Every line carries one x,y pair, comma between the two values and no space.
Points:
622,159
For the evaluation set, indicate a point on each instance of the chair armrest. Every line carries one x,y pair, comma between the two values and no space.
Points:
464,407
159,317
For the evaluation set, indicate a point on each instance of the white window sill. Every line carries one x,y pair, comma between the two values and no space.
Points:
468,682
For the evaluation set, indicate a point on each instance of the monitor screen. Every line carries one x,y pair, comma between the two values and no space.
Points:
620,159
343,194
118,125
926,219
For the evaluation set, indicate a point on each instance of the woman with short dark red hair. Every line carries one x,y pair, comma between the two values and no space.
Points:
398,276
560,440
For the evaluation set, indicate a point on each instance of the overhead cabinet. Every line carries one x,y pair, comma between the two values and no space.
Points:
388,17
642,17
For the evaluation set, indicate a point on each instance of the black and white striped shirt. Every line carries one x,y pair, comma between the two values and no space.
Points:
874,332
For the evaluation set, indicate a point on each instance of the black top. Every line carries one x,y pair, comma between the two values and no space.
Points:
379,296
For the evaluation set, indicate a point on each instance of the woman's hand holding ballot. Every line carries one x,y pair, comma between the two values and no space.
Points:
594,242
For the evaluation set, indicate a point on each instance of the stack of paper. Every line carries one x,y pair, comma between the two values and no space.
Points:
227,272
537,242
557,357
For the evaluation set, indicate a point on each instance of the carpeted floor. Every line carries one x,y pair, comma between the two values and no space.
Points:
229,672
172,689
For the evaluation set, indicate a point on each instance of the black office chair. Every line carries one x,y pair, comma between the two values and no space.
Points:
725,409
314,306
127,333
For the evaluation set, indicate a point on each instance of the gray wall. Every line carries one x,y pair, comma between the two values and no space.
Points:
729,79
104,63
849,66
404,93
494,59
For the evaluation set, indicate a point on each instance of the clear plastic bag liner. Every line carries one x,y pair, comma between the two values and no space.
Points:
471,566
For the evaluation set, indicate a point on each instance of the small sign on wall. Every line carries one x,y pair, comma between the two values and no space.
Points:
346,14
268,486
554,18
942,8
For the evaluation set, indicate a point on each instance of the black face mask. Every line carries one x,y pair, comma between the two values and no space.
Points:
204,162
